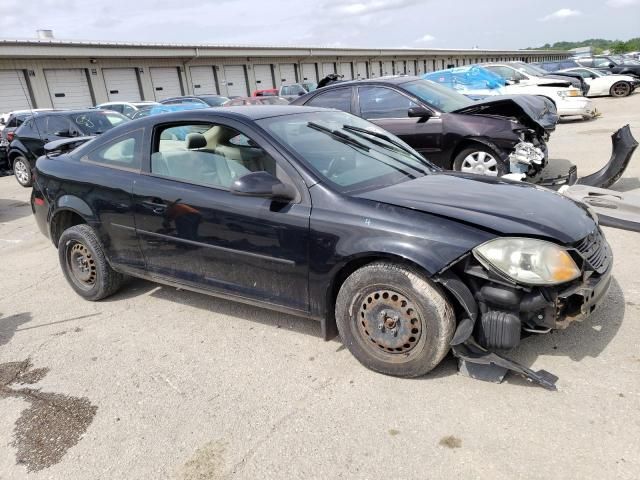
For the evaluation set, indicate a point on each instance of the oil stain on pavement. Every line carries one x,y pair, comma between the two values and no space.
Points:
51,425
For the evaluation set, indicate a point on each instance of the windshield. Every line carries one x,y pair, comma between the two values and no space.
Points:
531,70
437,96
95,123
338,147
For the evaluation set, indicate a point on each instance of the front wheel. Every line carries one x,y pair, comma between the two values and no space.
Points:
480,160
620,89
22,171
394,320
85,265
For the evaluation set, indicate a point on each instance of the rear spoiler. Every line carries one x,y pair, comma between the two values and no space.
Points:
58,147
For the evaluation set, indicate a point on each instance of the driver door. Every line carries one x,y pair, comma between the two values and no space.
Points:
389,109
192,229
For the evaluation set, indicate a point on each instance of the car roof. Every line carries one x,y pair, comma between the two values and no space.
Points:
250,112
393,79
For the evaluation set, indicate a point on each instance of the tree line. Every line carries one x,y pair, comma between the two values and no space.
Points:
599,45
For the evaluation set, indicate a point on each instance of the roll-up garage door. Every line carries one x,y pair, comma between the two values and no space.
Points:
328,68
236,80
122,84
398,67
361,70
309,72
68,88
346,71
410,68
14,94
263,77
203,80
287,73
166,82
387,68
375,70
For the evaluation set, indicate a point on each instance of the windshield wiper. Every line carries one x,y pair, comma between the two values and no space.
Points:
386,138
398,146
340,136
349,140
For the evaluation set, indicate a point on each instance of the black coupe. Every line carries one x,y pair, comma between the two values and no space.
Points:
322,214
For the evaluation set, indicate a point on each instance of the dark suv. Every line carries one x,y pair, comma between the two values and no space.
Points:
612,64
30,138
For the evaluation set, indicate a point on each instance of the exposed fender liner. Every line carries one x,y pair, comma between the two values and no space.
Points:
461,292
504,156
70,202
623,145
482,364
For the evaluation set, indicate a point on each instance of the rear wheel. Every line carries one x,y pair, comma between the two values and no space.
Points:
480,160
22,171
620,89
84,264
394,320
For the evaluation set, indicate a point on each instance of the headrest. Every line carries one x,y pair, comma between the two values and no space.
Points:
196,140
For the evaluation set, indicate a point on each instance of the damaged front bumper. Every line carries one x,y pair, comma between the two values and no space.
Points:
496,314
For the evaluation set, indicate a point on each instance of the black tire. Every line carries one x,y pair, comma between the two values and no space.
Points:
498,170
84,264
620,89
423,324
22,171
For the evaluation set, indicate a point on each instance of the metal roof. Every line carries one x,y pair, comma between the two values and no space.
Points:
53,47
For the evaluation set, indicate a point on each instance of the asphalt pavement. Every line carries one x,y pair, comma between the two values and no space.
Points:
157,383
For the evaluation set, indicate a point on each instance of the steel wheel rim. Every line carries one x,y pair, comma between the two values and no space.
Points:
20,171
81,265
480,163
389,323
621,89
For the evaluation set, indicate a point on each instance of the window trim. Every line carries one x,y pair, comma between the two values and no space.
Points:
137,151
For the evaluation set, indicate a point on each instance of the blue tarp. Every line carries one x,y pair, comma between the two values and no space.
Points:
463,79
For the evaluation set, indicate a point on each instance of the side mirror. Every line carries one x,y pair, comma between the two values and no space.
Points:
63,133
262,184
420,112
611,65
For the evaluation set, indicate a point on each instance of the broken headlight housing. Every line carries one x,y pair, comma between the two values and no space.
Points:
528,261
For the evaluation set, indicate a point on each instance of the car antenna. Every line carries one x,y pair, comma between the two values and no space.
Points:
22,82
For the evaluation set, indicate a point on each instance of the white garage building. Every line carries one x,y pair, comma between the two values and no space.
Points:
45,73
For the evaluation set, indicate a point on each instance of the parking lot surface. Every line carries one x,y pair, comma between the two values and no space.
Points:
159,383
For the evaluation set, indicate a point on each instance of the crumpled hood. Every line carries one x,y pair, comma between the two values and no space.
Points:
532,111
510,208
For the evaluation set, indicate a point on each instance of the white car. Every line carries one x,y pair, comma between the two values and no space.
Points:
601,84
569,100
128,109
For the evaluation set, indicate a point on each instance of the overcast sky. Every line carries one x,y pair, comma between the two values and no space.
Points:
500,24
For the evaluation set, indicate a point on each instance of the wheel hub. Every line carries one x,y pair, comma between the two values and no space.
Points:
481,163
390,321
82,264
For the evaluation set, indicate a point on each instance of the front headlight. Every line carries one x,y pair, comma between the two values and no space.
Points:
528,261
